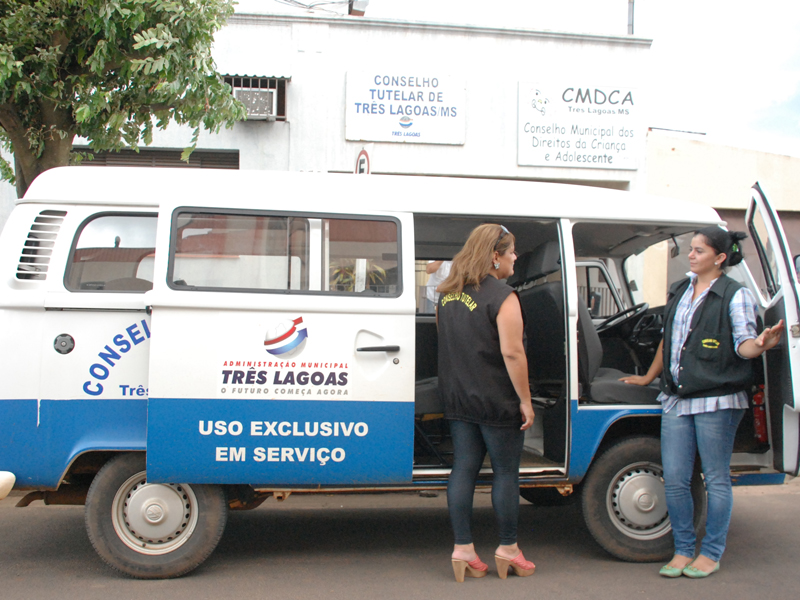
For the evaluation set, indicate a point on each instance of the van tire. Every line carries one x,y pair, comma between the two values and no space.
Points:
130,522
624,505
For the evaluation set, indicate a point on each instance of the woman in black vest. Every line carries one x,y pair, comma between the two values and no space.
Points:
709,336
483,382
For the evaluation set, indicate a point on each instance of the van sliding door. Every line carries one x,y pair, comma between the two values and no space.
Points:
282,349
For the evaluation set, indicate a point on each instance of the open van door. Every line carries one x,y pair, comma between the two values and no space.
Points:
780,296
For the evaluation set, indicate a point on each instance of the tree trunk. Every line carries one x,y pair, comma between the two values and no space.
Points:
27,167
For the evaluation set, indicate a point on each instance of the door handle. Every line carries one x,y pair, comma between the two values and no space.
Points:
379,349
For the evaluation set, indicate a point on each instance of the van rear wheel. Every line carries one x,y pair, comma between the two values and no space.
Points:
624,505
152,530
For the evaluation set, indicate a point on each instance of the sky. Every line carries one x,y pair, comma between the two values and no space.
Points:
729,70
743,65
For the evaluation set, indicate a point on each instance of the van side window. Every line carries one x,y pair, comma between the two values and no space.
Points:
362,256
113,253
594,289
240,251
268,252
767,256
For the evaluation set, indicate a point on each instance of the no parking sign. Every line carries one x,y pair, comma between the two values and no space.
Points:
362,163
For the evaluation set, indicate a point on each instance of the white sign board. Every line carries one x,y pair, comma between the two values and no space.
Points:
567,125
421,108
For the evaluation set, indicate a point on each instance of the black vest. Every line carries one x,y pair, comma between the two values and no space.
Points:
473,381
709,364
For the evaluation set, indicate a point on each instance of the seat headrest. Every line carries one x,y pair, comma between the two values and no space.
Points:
520,269
544,259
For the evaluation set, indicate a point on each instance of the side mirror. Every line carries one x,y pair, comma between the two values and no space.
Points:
797,263
594,304
675,250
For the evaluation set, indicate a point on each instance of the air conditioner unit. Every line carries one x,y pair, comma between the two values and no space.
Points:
261,104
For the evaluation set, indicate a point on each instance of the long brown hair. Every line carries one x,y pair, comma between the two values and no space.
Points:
474,260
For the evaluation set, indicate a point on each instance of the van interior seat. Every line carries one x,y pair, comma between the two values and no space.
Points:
543,305
128,284
600,384
520,268
426,393
428,402
426,397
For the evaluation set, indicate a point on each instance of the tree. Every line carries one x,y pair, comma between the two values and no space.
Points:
107,70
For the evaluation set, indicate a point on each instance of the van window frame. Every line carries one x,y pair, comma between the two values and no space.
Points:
608,280
74,246
173,236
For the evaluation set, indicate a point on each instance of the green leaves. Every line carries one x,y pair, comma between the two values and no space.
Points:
9,66
158,36
83,113
111,71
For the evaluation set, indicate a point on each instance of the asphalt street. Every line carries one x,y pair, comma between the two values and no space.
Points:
396,546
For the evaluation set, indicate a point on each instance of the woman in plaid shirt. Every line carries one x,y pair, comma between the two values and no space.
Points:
710,334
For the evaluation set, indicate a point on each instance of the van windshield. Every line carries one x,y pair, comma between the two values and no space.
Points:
650,273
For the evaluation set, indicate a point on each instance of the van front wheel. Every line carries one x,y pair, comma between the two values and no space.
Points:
624,504
152,530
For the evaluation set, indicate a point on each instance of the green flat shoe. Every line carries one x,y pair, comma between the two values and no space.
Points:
667,571
694,573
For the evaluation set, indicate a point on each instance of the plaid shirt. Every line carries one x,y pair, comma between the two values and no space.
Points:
743,313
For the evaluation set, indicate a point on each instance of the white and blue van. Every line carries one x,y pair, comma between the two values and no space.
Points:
184,342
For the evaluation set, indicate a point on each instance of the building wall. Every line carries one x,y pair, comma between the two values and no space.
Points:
688,167
319,52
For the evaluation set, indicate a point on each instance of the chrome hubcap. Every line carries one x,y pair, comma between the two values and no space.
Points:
636,502
154,518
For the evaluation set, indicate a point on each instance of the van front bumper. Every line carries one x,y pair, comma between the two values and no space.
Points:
6,483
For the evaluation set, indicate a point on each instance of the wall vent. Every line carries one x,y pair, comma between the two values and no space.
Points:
39,245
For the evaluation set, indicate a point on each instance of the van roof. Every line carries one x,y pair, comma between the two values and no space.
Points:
323,192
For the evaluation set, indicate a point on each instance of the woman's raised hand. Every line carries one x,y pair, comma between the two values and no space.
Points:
770,337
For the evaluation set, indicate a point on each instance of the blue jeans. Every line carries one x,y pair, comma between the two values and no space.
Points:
711,435
470,444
